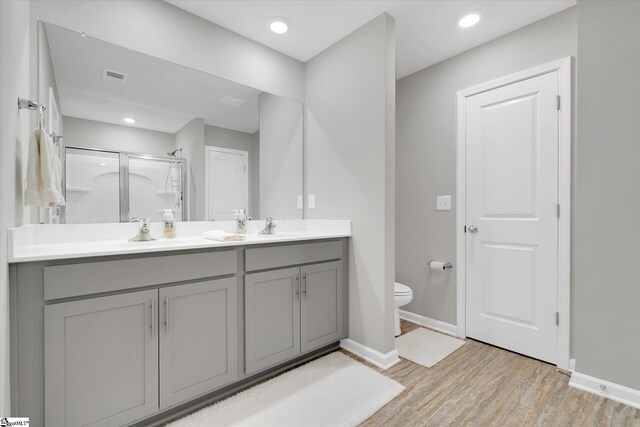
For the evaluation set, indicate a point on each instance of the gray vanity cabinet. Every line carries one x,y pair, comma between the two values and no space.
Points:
101,360
134,339
112,360
291,311
321,309
272,318
198,339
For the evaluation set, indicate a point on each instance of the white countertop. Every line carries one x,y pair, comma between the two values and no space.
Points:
50,242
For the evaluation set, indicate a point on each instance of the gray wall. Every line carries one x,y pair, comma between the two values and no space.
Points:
14,136
191,139
350,121
281,144
426,153
227,138
177,36
606,228
93,134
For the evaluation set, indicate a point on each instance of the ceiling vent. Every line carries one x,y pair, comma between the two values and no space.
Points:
111,75
230,100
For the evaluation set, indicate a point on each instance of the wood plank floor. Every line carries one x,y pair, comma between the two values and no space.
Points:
481,385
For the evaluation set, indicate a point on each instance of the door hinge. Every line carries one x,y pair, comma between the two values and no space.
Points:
558,102
557,319
557,210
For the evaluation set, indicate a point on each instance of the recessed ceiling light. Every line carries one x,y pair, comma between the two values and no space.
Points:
469,20
129,120
102,164
279,25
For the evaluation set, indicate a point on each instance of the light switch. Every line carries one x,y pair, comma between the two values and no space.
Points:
443,203
312,201
299,201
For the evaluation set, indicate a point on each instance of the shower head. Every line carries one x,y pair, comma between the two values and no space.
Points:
173,153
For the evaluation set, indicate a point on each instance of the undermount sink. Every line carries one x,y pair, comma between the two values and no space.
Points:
276,235
162,242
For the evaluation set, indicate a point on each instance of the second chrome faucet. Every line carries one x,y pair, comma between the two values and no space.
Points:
269,226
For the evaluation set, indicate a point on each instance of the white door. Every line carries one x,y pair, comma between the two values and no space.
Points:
511,216
226,183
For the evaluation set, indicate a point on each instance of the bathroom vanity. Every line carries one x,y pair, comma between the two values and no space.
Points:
136,336
108,332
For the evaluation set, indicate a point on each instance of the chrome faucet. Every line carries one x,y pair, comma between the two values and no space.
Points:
144,233
269,226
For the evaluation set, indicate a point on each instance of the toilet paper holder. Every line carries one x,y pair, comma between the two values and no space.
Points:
447,265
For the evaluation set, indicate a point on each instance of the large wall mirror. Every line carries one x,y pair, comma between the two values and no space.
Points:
141,134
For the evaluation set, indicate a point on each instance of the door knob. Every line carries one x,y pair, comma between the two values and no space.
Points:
473,229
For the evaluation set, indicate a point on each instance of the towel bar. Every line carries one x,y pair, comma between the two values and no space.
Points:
27,104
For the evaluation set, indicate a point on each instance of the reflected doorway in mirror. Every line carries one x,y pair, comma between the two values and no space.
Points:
226,183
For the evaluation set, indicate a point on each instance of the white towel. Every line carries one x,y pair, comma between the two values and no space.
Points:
44,173
222,236
32,193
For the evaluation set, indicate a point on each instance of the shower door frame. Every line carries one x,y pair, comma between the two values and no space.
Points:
123,174
125,216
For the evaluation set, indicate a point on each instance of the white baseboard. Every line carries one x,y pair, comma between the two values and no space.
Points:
381,360
436,325
572,365
615,392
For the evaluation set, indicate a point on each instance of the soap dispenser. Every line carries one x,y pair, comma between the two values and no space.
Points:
241,221
169,224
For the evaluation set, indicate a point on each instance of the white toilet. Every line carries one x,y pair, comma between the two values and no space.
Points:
402,296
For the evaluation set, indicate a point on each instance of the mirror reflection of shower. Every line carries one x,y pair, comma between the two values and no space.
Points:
115,186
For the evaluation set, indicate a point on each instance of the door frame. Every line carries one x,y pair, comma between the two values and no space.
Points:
209,148
563,66
125,185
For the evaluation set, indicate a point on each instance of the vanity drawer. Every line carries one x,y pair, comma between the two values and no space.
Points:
283,256
64,281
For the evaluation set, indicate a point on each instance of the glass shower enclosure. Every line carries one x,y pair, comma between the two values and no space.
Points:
114,186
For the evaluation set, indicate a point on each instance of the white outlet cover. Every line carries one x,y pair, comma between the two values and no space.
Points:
299,201
443,203
312,201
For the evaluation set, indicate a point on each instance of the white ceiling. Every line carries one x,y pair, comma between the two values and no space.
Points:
427,32
158,94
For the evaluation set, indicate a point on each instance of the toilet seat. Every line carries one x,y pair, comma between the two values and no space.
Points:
402,296
400,289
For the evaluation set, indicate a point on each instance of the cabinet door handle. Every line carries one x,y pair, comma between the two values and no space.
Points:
304,285
298,286
152,306
166,315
